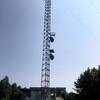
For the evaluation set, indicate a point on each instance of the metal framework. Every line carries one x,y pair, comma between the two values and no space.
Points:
47,55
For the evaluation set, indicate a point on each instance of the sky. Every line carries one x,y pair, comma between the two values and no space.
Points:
77,41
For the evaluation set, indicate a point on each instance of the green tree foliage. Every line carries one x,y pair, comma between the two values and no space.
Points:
5,89
72,96
87,85
8,91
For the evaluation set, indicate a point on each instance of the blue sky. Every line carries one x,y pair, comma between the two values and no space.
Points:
77,42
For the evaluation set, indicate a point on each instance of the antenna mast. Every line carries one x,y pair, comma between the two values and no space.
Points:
48,38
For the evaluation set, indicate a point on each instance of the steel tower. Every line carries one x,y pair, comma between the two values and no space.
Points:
48,38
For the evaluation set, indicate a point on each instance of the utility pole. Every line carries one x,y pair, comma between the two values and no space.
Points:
48,38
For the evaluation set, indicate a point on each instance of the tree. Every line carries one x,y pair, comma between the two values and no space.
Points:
10,92
5,89
87,85
72,96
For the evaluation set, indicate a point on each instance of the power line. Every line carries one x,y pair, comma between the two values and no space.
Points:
76,17
93,4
